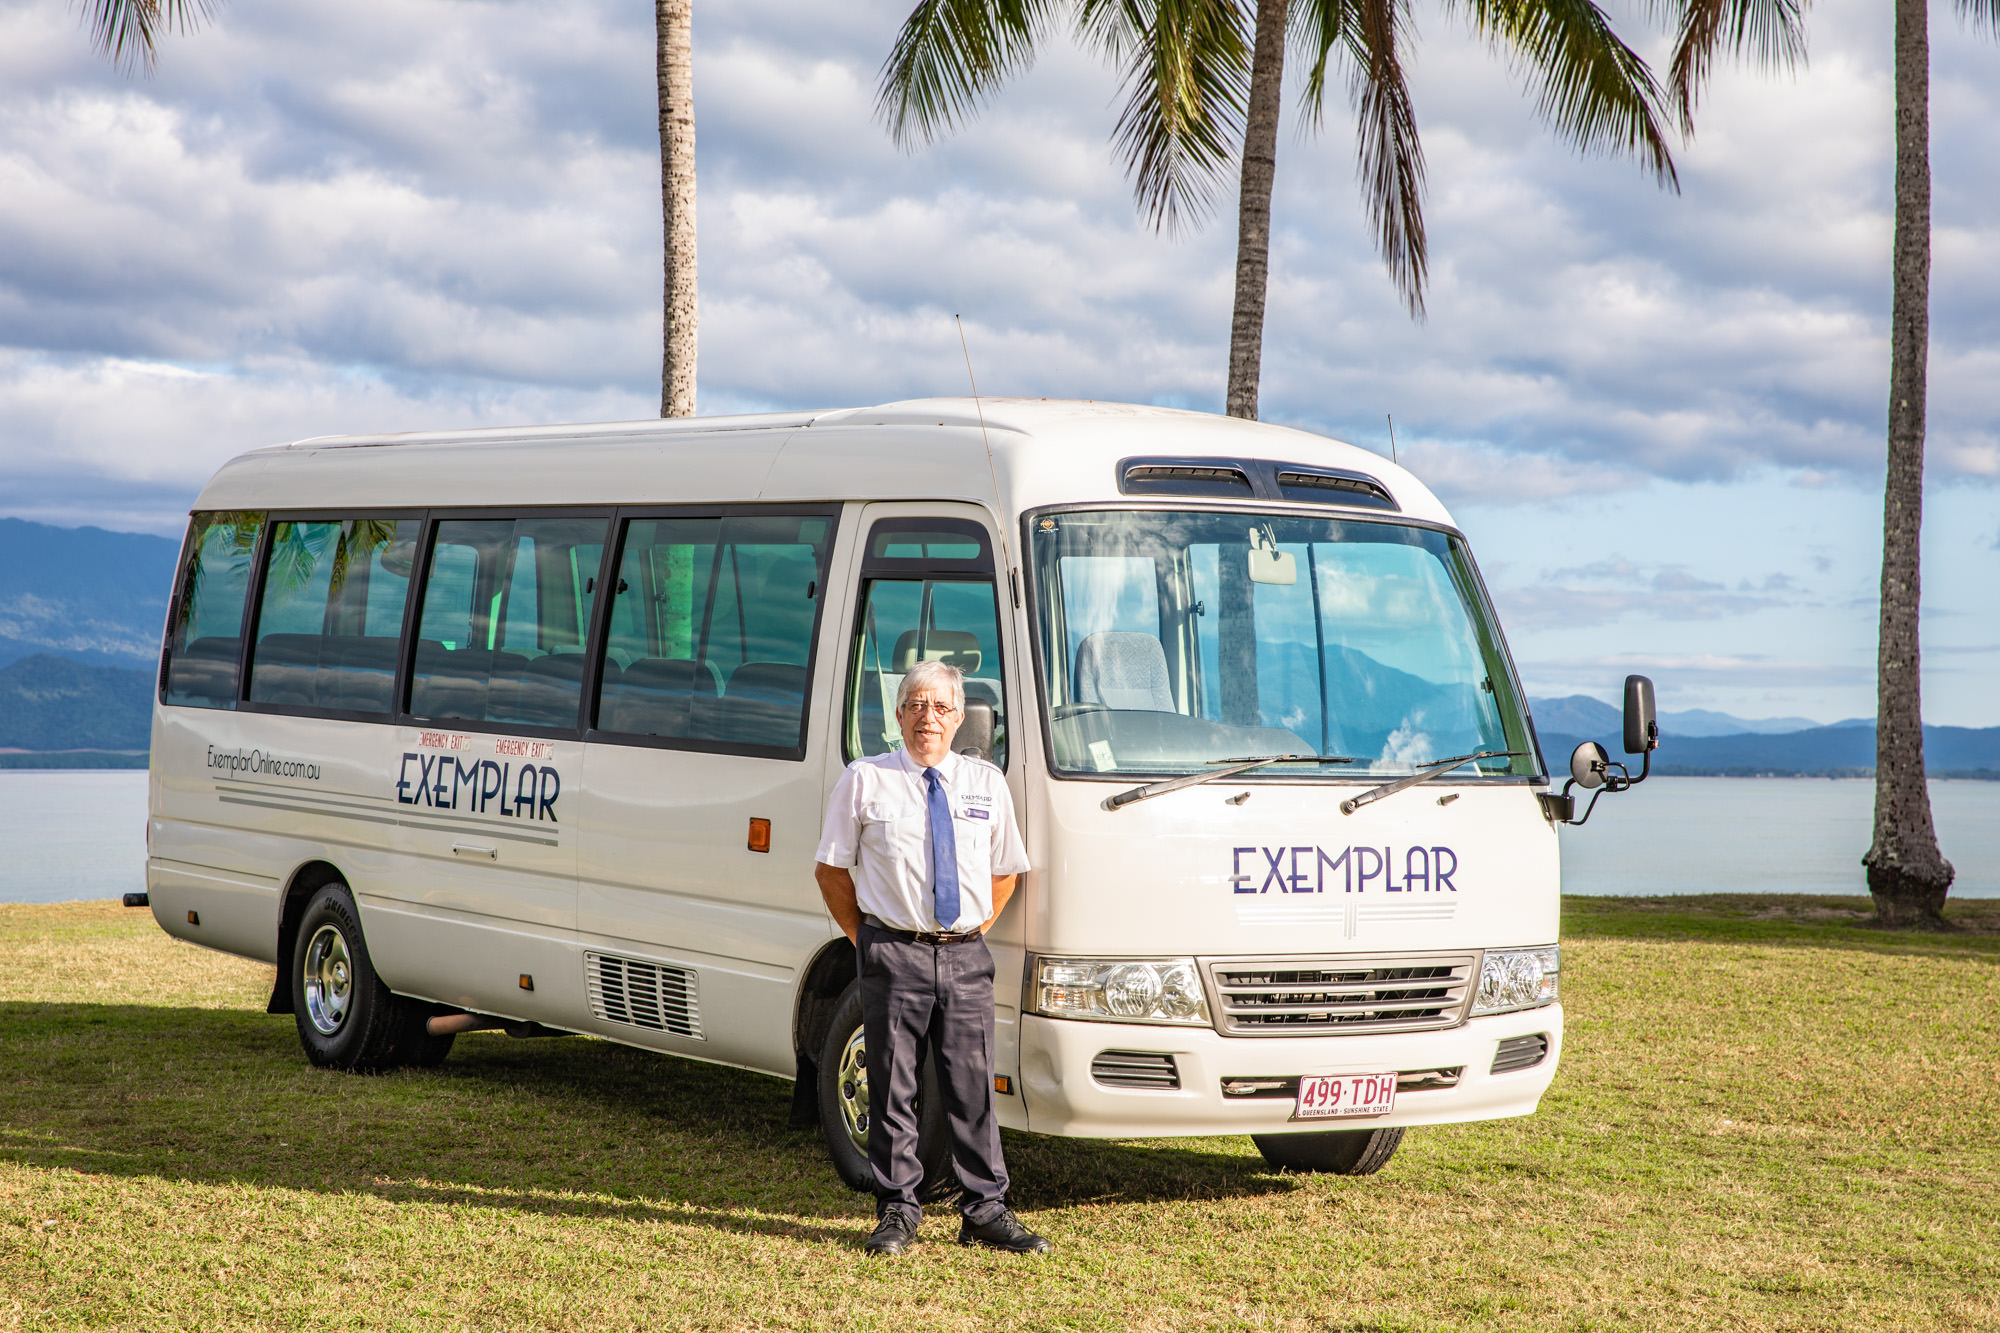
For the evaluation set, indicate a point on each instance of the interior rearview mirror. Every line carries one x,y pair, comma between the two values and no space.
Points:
1642,729
1588,764
1270,565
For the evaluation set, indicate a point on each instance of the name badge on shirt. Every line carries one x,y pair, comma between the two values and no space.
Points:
973,805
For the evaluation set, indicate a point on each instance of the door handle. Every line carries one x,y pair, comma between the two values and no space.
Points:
468,849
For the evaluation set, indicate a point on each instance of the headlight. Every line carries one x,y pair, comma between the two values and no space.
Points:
1517,979
1153,990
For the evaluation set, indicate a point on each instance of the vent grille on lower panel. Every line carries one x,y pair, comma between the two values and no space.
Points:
1521,1053
1305,996
642,994
1136,1069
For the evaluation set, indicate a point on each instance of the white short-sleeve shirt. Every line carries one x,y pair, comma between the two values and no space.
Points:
877,826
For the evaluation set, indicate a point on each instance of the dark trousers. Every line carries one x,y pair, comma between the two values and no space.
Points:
919,1003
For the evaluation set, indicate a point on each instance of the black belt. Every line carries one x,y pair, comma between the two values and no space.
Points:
924,936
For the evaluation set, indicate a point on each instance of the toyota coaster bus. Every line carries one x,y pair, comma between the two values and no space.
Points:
532,729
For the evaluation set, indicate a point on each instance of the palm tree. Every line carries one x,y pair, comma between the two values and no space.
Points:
673,22
1908,876
1203,77
125,31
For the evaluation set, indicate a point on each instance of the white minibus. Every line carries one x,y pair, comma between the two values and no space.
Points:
532,729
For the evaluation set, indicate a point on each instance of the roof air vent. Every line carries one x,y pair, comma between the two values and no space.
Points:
1348,488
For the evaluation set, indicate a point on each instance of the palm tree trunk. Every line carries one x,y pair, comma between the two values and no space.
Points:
673,22
1253,209
1907,875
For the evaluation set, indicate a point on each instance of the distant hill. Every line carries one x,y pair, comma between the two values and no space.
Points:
57,703
1581,715
1843,750
94,596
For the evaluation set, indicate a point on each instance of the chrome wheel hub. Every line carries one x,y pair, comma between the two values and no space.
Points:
853,1091
329,980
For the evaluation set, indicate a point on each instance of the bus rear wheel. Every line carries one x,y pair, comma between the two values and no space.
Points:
347,1019
845,1108
1340,1152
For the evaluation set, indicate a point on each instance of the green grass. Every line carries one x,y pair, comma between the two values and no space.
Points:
1767,1117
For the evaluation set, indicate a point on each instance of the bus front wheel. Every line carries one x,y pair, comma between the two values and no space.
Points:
845,1108
1340,1152
347,1019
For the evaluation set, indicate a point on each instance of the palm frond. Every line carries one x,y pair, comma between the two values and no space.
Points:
1389,156
1772,32
124,31
1187,83
1595,90
1980,14
949,55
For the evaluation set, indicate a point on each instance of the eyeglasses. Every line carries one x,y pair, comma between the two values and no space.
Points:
918,707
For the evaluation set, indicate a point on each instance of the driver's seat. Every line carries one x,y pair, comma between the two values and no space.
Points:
1119,669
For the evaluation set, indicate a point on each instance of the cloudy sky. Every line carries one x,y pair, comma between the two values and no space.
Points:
1659,416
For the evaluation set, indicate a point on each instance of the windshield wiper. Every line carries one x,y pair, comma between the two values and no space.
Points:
1152,789
1374,794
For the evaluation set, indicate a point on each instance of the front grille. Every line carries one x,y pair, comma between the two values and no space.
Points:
1136,1069
642,994
1282,997
1280,1088
1521,1053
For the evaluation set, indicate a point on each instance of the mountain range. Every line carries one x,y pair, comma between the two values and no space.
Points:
1581,715
93,596
1756,748
81,609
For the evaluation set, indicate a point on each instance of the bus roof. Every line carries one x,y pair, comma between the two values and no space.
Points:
1042,451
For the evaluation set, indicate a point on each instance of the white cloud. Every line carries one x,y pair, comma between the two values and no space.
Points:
374,215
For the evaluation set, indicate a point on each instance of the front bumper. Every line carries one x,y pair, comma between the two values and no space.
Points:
1062,1097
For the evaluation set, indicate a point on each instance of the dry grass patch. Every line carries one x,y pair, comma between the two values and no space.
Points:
1762,1122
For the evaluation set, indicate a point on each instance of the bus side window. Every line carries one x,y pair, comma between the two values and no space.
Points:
711,630
506,608
204,641
330,617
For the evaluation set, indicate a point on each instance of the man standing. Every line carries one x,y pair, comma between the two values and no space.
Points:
918,857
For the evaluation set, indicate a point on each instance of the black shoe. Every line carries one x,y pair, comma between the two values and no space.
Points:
1004,1232
894,1233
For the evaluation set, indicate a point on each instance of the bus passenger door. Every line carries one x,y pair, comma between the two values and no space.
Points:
704,778
927,592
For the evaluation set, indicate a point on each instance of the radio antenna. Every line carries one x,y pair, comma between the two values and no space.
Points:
1006,554
1392,437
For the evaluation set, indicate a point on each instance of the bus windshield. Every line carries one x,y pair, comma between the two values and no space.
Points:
1173,641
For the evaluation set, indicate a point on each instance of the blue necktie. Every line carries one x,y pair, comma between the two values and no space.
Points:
944,852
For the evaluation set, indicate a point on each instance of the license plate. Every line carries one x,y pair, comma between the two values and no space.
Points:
1323,1095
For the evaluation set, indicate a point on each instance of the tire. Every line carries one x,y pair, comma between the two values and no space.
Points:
1340,1152
843,1109
347,1019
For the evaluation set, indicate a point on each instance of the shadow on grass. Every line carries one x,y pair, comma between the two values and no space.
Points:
1818,921
571,1127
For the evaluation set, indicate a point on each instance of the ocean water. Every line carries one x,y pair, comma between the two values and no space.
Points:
71,835
1766,835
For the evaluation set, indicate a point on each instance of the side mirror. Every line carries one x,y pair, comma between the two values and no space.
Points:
1642,729
1588,764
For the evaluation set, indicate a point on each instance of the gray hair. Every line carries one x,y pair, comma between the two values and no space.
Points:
932,675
